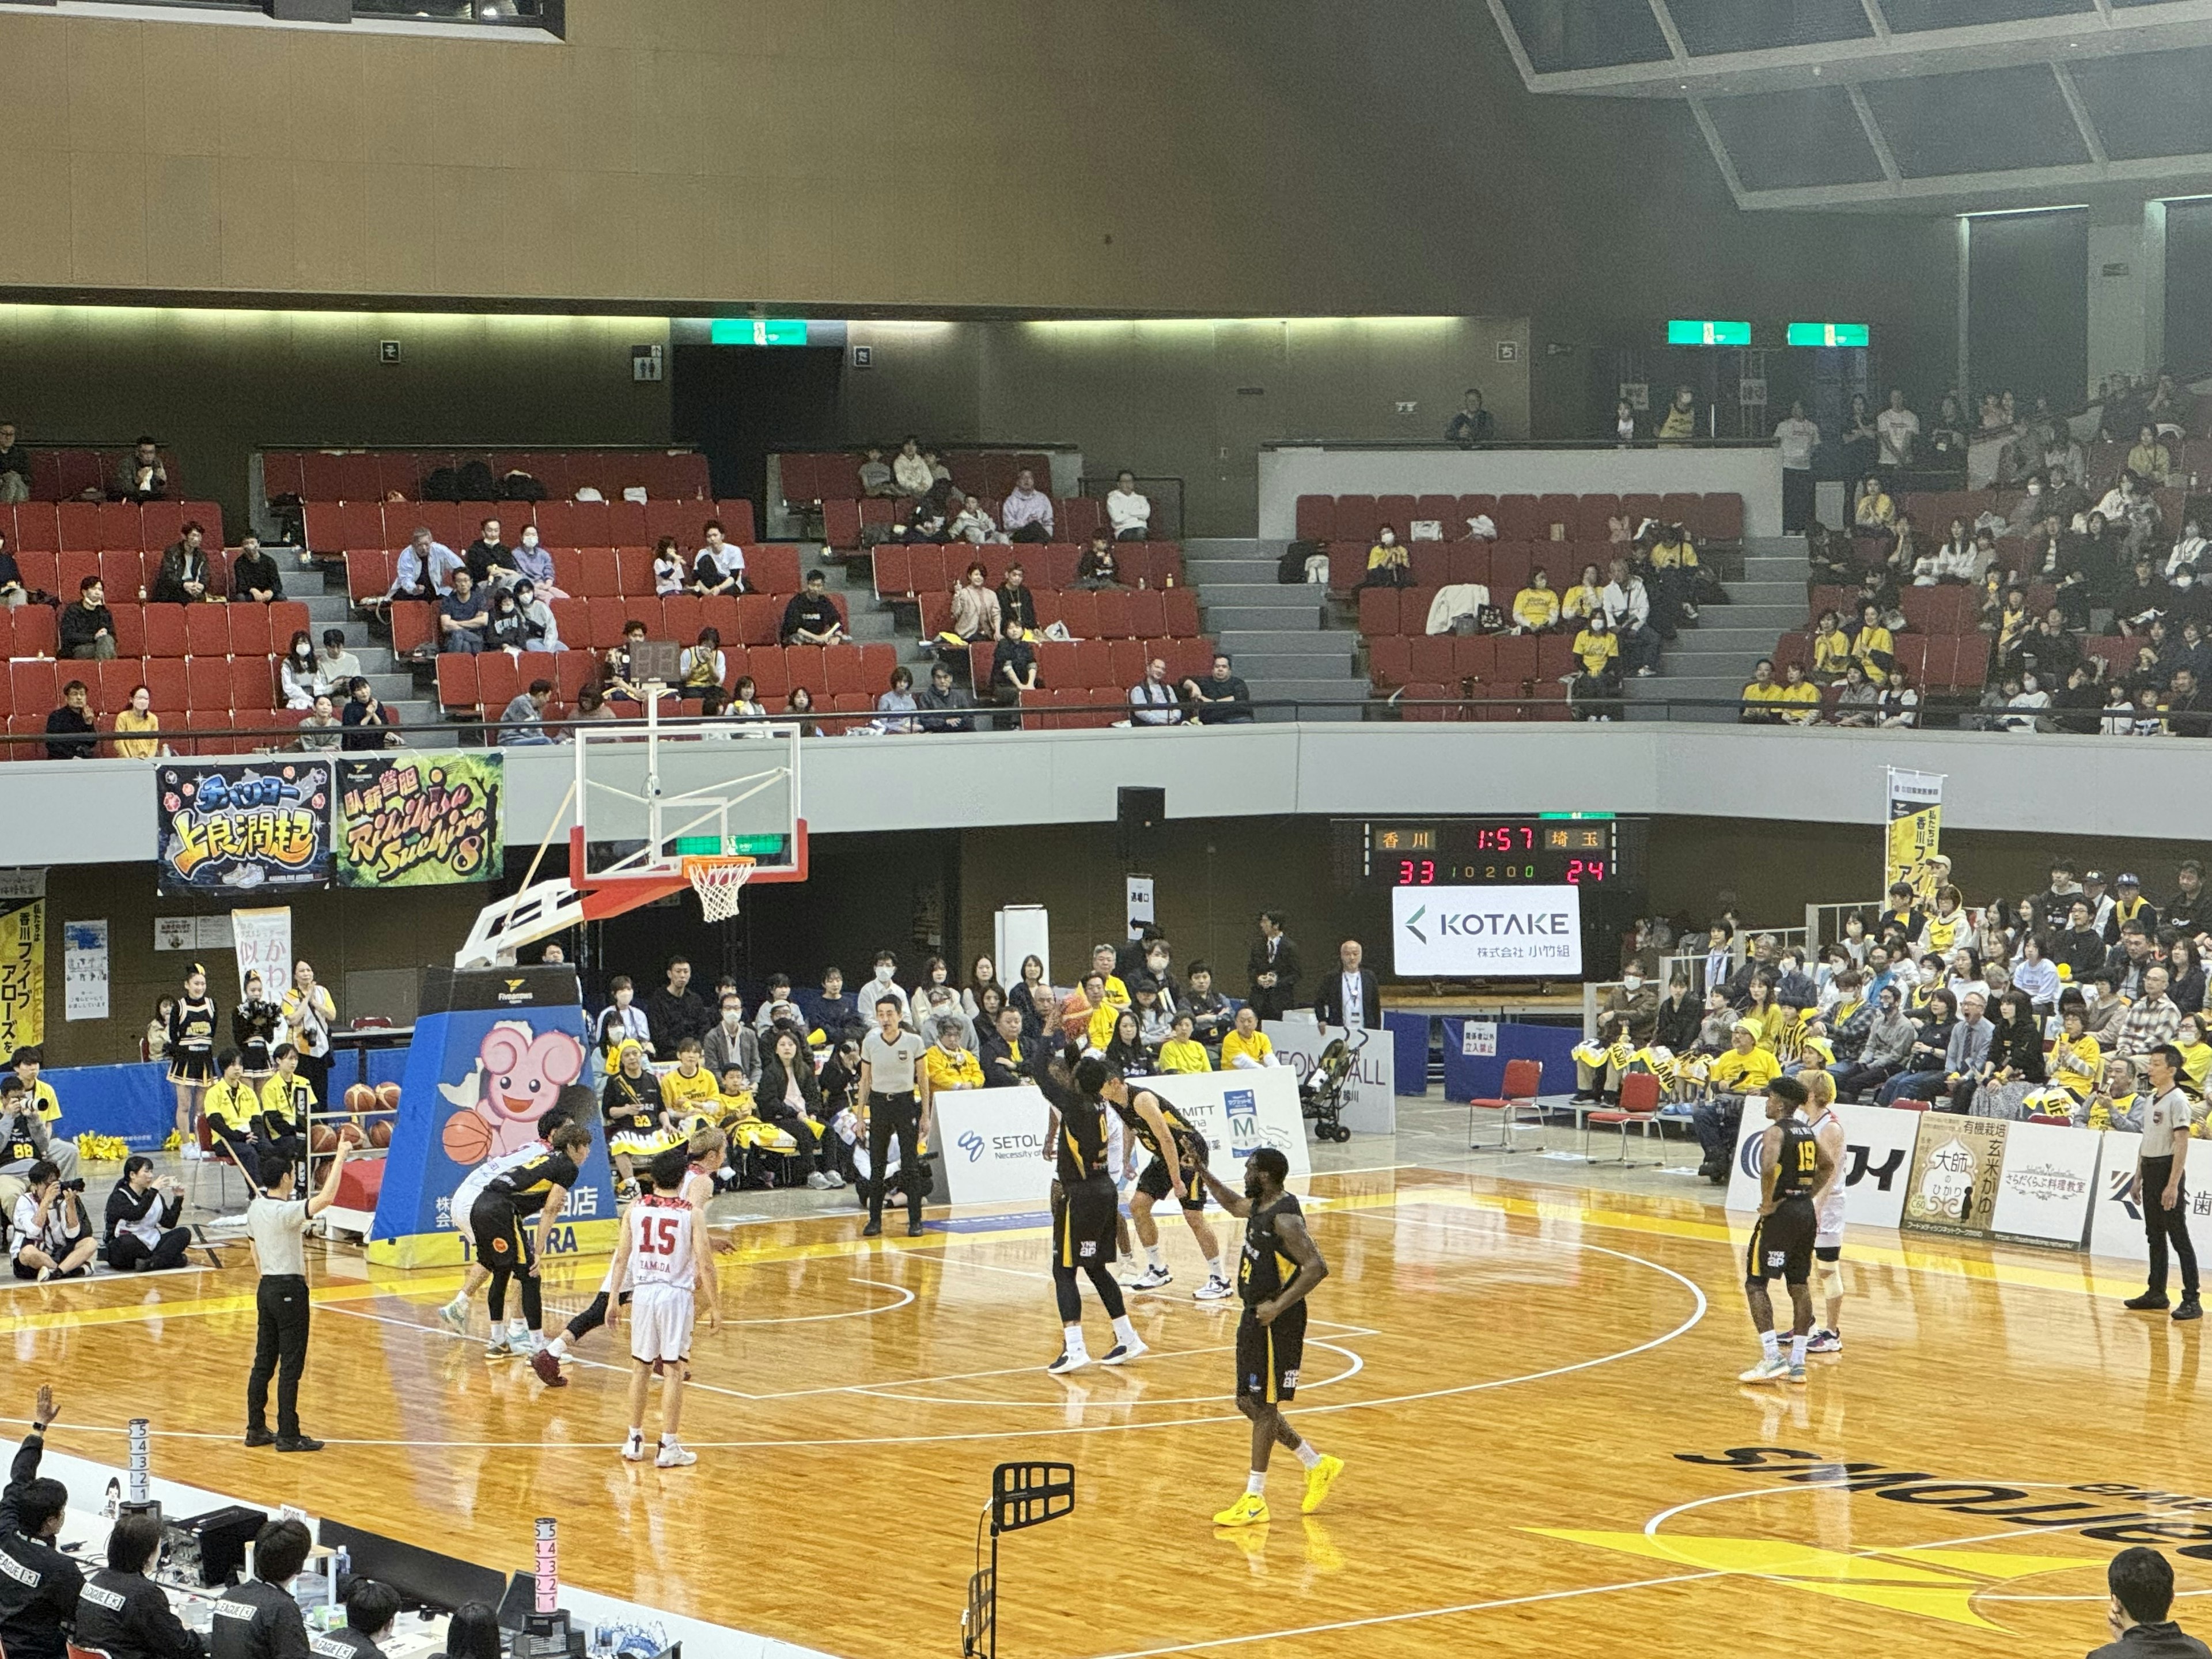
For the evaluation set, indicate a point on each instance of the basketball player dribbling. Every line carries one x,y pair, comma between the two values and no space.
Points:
1792,1167
657,1272
705,1151
1819,1114
454,1315
1271,1338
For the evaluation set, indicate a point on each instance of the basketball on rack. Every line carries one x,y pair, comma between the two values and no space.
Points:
360,1098
387,1096
351,1135
323,1139
379,1133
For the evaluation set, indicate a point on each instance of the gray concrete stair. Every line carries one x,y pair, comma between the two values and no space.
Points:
1284,638
1712,659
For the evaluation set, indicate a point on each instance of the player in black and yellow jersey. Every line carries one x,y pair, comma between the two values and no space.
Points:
504,1243
1084,1209
1793,1165
1279,1268
1178,1154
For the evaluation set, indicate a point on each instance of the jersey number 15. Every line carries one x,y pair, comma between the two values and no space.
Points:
659,1235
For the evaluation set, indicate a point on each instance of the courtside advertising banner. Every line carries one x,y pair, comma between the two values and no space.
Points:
995,1145
2047,1184
1877,1159
1239,1112
492,1051
1486,932
1955,1160
2116,1227
1915,828
1370,1095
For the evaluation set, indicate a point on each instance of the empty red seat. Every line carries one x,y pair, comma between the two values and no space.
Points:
457,682
1390,661
207,682
1182,607
37,529
772,569
1517,657
80,527
252,683
411,626
33,687
894,571
1115,618
249,631
1378,612
165,630
499,680
287,618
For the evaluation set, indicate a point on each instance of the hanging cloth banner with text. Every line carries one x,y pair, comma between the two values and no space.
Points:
22,959
1916,825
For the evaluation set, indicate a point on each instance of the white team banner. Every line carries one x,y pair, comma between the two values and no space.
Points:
995,1150
1878,1162
2117,1228
2047,1185
1370,1098
1476,932
262,939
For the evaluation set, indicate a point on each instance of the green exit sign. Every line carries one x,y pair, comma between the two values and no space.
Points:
758,331
1827,334
1681,331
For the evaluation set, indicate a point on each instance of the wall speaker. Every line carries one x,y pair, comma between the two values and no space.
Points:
1139,812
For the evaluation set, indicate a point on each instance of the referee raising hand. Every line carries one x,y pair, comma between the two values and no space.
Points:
277,1223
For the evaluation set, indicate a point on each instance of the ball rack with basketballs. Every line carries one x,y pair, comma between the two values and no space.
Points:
364,1120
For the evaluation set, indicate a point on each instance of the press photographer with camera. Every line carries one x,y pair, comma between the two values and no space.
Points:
142,1231
53,1236
25,1139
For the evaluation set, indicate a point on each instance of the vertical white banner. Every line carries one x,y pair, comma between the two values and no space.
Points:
262,939
84,971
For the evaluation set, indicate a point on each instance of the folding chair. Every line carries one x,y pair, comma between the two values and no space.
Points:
1639,1104
1524,1080
212,1153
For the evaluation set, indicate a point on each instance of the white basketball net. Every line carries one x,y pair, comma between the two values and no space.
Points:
718,881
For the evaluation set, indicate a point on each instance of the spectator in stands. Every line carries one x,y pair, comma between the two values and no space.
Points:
702,665
136,728
1598,650
1017,602
911,471
319,728
799,706
925,523
2186,975
1222,697
1796,438
971,524
71,732
1761,699
1801,699
506,630
1152,701
946,707
2188,709
2152,1018
462,617
183,577
366,720
1900,700
1946,433
253,574
719,566
1388,563
490,563
12,592
895,708
2188,550
1471,423
424,569
668,574
1582,600
1862,440
1680,424
533,564
1926,1062
524,720
1245,1047
974,606
541,630
1098,567
2150,460
15,467
1874,648
1743,1068
811,618
298,674
1898,431
1536,607
1128,511
1873,514
142,476
1626,607
336,667
676,1011
1027,514
875,476
1013,663
1887,1045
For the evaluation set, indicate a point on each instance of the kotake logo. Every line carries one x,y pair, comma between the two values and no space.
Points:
1412,928
1483,931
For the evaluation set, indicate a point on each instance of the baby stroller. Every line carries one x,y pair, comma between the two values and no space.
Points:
1320,1096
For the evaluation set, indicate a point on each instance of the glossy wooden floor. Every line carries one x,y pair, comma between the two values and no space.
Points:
1534,1387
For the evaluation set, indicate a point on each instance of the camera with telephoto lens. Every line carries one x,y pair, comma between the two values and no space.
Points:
76,1186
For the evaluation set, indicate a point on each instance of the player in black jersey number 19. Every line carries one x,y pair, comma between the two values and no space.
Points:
1279,1270
1793,1165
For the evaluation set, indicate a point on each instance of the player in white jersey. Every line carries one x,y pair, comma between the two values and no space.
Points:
658,1262
706,1150
454,1315
1819,1114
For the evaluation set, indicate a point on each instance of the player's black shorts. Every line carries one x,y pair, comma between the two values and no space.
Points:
1782,1244
1268,1355
1153,1182
1083,1223
501,1241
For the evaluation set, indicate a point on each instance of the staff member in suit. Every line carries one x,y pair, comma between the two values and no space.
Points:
1275,967
39,1585
277,1224
122,1612
1350,998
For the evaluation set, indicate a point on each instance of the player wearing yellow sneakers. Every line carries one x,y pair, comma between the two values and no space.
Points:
1271,1337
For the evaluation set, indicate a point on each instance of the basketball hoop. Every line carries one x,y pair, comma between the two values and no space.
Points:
717,881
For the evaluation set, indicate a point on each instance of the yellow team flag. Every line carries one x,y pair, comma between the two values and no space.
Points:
1915,826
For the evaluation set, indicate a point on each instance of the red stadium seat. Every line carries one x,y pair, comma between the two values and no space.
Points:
412,625
1432,658
1390,661
1516,659
1079,610
894,571
165,630
38,529
207,682
249,631
457,682
1378,612
252,683
499,680
1181,604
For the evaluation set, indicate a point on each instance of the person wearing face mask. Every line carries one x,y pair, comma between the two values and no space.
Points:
540,632
1635,1002
884,984
734,1041
1388,563
534,563
299,676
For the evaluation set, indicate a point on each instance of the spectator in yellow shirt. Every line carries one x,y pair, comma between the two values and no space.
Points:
946,1065
1246,1049
1744,1069
1831,650
1102,963
1873,646
1389,565
1098,1030
1536,607
1800,698
689,1092
1182,1052
1583,599
1761,697
1597,647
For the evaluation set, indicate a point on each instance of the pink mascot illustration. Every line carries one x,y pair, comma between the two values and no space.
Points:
517,1078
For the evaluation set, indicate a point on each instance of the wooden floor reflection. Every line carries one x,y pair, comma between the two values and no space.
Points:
1534,1387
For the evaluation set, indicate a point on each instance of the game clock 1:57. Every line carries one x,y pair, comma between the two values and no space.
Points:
1573,852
